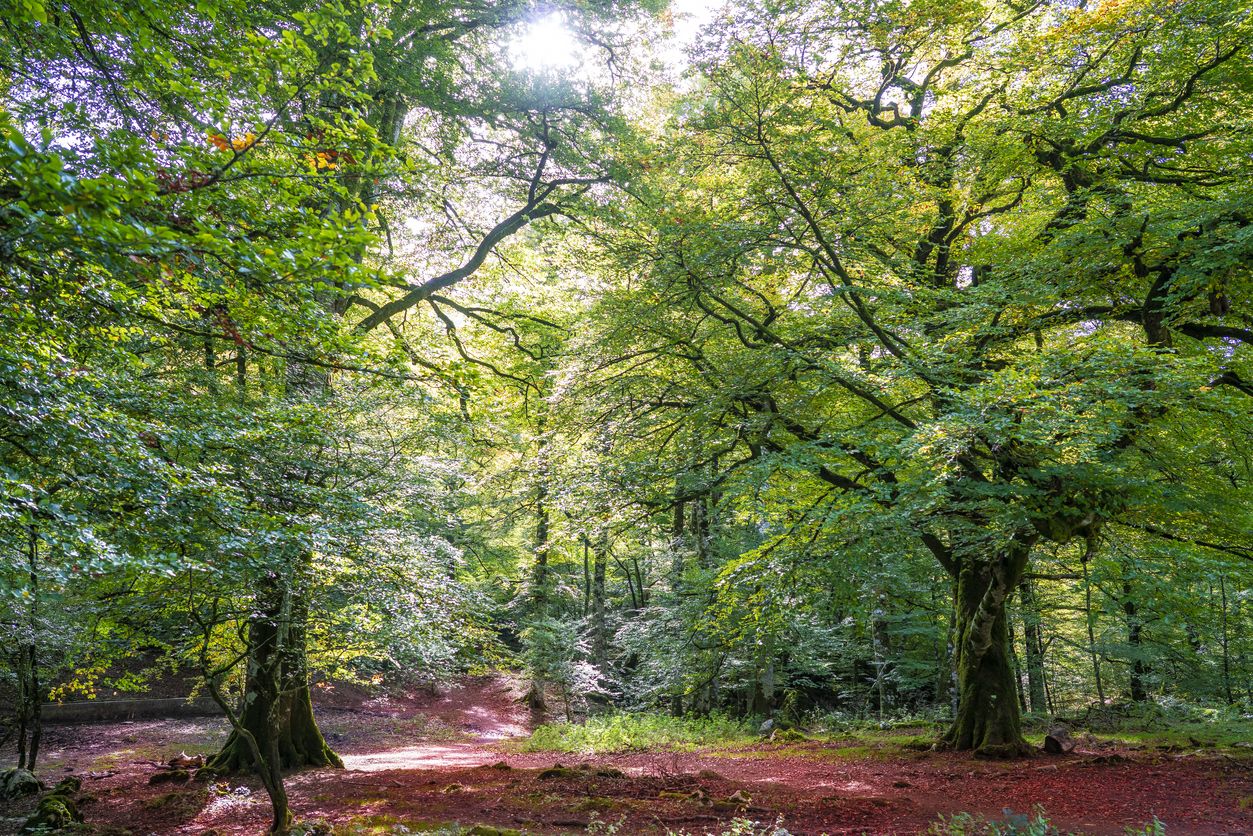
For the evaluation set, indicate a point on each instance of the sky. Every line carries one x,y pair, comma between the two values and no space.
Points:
547,43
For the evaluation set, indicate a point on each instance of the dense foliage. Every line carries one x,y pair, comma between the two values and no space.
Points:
885,358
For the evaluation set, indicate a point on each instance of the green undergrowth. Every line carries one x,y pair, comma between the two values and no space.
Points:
385,825
1019,824
909,739
1155,725
1235,734
1164,723
625,731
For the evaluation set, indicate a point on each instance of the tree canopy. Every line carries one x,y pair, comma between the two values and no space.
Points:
873,357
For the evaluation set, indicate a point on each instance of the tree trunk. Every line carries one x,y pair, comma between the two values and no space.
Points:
1222,586
882,650
31,704
678,542
19,712
271,771
1032,638
587,577
278,709
1013,658
988,721
767,687
1135,629
700,531
539,575
36,711
950,655
600,641
1096,660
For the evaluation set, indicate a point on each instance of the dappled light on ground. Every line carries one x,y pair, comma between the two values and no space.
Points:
424,759
429,756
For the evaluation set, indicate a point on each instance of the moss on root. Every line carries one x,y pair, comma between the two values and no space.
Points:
57,810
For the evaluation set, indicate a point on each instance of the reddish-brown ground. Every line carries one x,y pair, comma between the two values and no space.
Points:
431,758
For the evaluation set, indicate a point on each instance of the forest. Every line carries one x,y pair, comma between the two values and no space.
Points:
626,416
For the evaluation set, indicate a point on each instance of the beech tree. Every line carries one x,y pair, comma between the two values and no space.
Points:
952,270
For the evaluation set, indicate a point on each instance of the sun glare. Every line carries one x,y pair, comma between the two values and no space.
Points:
546,44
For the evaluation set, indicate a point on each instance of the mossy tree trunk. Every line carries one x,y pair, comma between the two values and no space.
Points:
277,709
988,720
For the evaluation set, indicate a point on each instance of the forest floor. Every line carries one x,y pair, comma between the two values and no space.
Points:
429,759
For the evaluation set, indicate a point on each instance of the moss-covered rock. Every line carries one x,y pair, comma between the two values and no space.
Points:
55,812
594,804
559,771
16,782
184,803
788,736
585,770
69,785
313,827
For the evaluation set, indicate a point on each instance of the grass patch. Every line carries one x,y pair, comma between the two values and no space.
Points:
1228,734
825,752
1170,724
625,732
911,738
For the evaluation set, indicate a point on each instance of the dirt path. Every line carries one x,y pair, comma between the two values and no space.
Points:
424,759
458,727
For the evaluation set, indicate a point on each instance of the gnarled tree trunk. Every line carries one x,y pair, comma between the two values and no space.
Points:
277,709
988,718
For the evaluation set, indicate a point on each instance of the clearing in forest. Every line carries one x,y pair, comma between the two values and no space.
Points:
427,759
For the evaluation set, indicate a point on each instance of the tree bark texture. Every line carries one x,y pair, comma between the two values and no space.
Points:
988,721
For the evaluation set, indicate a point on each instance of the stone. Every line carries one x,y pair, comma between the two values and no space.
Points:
1058,741
15,782
54,812
68,785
